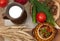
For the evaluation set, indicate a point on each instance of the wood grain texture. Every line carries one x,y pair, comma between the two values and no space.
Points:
57,37
1,38
1,17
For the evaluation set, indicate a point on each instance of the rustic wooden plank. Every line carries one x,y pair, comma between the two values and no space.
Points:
1,17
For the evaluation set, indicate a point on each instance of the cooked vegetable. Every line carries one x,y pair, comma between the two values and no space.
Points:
34,14
45,31
41,17
3,3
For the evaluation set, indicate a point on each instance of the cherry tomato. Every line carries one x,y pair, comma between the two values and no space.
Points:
41,17
21,1
3,3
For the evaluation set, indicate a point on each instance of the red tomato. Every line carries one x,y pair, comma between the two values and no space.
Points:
41,17
3,3
21,1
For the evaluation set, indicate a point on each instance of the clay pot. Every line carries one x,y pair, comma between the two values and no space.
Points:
21,18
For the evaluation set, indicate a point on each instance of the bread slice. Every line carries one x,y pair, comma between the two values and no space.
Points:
57,15
58,1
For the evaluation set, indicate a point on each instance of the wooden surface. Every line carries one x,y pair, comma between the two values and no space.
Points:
57,37
1,18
